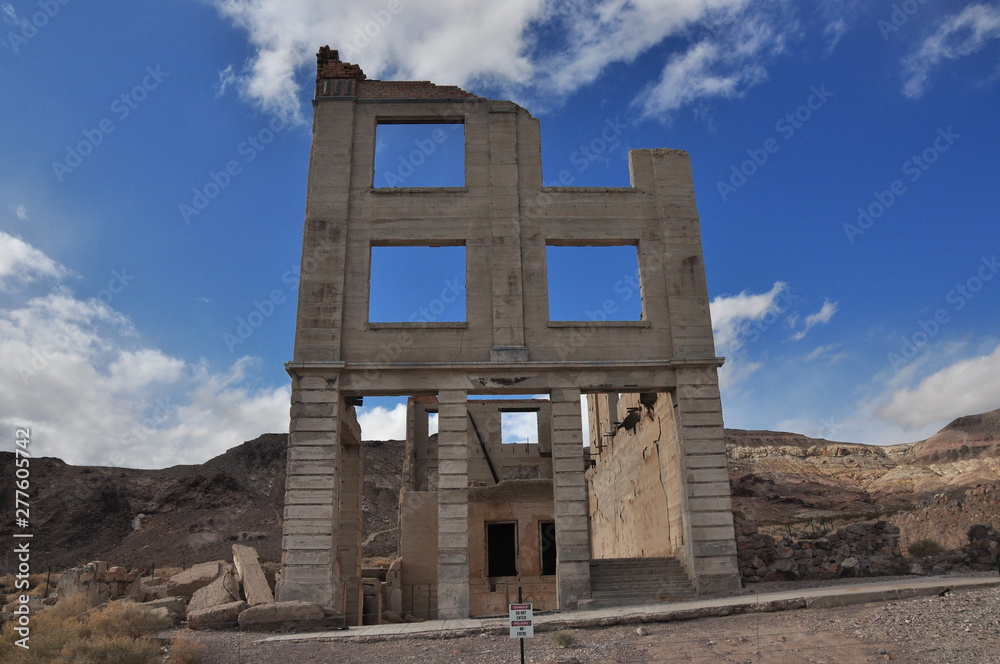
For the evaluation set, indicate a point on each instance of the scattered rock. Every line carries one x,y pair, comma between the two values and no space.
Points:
642,631
223,590
187,582
175,606
223,616
286,616
251,575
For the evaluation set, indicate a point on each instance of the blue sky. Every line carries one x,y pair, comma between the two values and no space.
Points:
153,159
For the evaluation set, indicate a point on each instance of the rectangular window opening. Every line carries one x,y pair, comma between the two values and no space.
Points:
417,284
501,549
547,545
411,154
519,426
594,283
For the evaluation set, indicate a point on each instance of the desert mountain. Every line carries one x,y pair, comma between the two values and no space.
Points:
186,514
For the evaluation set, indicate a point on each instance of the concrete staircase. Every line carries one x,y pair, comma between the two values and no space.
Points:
631,581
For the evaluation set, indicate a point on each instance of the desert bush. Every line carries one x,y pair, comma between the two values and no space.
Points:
185,649
925,547
124,618
111,650
52,630
563,639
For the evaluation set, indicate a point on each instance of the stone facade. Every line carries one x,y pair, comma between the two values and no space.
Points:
505,220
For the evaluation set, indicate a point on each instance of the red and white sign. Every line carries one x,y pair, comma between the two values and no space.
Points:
521,626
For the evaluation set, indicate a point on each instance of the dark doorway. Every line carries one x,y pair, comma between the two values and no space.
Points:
501,549
547,540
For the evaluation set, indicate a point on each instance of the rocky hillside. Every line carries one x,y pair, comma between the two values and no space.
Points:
184,514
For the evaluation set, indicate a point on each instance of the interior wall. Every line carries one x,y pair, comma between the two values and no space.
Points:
633,485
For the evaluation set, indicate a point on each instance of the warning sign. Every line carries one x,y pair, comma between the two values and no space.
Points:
521,626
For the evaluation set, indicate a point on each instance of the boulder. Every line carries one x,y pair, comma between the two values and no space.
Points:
223,616
176,606
288,616
223,590
199,576
251,575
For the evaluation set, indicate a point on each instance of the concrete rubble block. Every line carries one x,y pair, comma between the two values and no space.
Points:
223,590
175,606
223,616
289,616
190,580
252,577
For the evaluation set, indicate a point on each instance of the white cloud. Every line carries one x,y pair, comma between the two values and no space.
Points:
520,427
381,423
20,264
958,35
741,319
733,314
93,392
830,354
725,64
227,77
540,49
21,212
821,317
967,386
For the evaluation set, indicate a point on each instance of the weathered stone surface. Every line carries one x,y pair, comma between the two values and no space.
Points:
285,616
175,606
223,590
251,575
200,575
223,616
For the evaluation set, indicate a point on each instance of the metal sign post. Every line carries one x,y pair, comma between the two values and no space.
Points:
521,626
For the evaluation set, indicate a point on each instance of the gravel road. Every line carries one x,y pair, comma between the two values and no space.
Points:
956,628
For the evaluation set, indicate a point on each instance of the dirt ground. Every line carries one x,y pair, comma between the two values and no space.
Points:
958,628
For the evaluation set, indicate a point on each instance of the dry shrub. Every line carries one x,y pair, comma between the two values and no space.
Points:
124,618
185,649
111,650
52,630
563,639
925,547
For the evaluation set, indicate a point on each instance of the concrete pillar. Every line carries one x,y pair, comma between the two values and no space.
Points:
453,506
706,504
348,533
310,570
570,492
505,248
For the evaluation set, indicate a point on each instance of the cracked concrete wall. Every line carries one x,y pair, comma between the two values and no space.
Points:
634,489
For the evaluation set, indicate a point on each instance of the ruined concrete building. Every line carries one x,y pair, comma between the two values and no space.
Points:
642,513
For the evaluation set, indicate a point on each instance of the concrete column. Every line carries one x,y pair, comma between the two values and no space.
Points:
453,506
706,501
570,491
505,249
348,534
309,569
